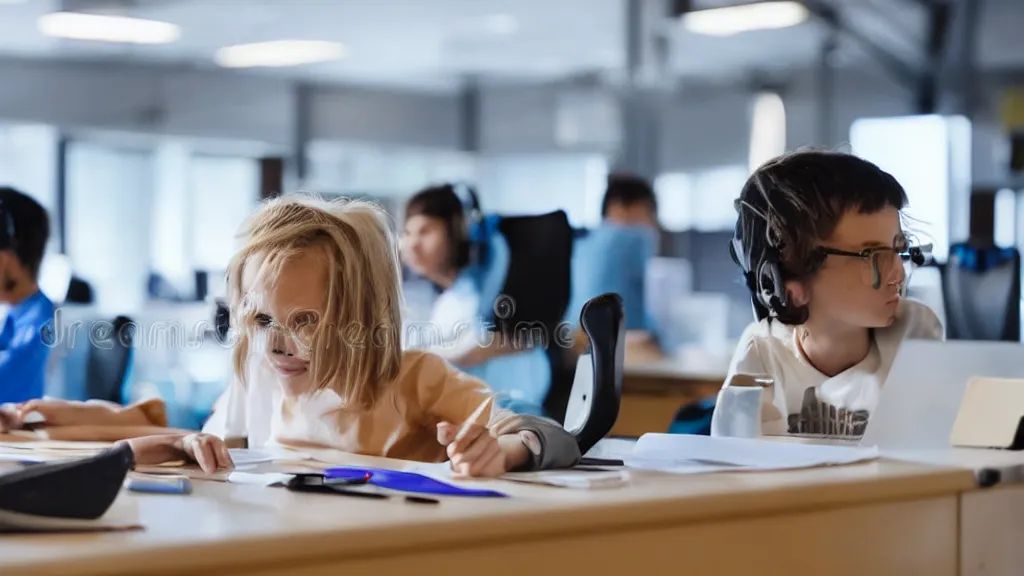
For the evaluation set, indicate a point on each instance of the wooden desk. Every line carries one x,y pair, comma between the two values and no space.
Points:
991,519
653,391
903,519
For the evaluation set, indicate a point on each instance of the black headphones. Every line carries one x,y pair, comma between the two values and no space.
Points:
474,239
762,271
763,278
6,228
6,240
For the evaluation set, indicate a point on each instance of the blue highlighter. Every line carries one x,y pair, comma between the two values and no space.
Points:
159,485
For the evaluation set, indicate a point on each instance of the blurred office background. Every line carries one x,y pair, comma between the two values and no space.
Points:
149,142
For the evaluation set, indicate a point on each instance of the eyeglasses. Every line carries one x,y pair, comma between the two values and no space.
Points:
882,262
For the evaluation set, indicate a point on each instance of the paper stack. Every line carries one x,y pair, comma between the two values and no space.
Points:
687,454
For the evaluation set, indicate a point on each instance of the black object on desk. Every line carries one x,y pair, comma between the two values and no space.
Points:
316,483
600,462
80,489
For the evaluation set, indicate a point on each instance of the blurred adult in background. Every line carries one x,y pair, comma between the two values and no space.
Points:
629,201
436,245
24,232
613,258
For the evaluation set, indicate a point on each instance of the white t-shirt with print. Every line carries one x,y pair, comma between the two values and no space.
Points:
805,401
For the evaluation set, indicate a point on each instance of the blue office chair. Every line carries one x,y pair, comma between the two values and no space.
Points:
982,291
111,354
522,277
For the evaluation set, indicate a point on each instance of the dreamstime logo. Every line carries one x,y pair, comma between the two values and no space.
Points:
522,335
504,307
105,334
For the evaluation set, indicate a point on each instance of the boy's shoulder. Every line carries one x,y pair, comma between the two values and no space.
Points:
765,334
764,342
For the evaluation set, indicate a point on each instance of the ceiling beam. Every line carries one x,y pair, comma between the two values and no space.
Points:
901,71
936,42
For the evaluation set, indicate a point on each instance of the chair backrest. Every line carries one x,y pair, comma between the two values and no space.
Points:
110,356
537,277
79,292
524,284
982,293
596,393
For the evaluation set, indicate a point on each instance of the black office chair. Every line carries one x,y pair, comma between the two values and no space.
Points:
596,394
222,321
982,290
110,359
538,274
79,292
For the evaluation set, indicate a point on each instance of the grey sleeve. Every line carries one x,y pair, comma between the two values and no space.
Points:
558,448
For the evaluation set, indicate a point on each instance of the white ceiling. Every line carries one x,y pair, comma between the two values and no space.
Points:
434,43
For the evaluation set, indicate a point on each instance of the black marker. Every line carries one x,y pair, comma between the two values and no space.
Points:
422,500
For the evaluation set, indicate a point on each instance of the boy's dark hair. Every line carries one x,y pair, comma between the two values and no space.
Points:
443,203
788,206
31,228
627,190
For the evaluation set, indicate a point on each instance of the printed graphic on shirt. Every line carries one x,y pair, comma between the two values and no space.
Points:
821,418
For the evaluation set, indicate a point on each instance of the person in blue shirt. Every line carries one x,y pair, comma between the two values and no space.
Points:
24,342
613,258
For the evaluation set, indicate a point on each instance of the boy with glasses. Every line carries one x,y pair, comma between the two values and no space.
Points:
821,242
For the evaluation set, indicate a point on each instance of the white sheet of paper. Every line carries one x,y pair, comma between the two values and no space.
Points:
689,454
257,479
575,478
25,457
242,457
247,457
579,478
612,449
57,445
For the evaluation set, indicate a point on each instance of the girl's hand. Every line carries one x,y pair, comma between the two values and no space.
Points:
207,450
478,454
475,454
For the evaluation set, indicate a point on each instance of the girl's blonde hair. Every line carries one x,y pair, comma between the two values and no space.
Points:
355,346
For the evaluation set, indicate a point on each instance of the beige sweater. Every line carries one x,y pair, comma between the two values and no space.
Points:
402,424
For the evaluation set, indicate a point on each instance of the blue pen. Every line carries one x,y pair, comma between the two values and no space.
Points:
158,485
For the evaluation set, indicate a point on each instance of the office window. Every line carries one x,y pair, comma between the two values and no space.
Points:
28,162
394,172
109,195
1005,232
674,192
700,200
223,192
537,184
171,215
925,154
767,129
